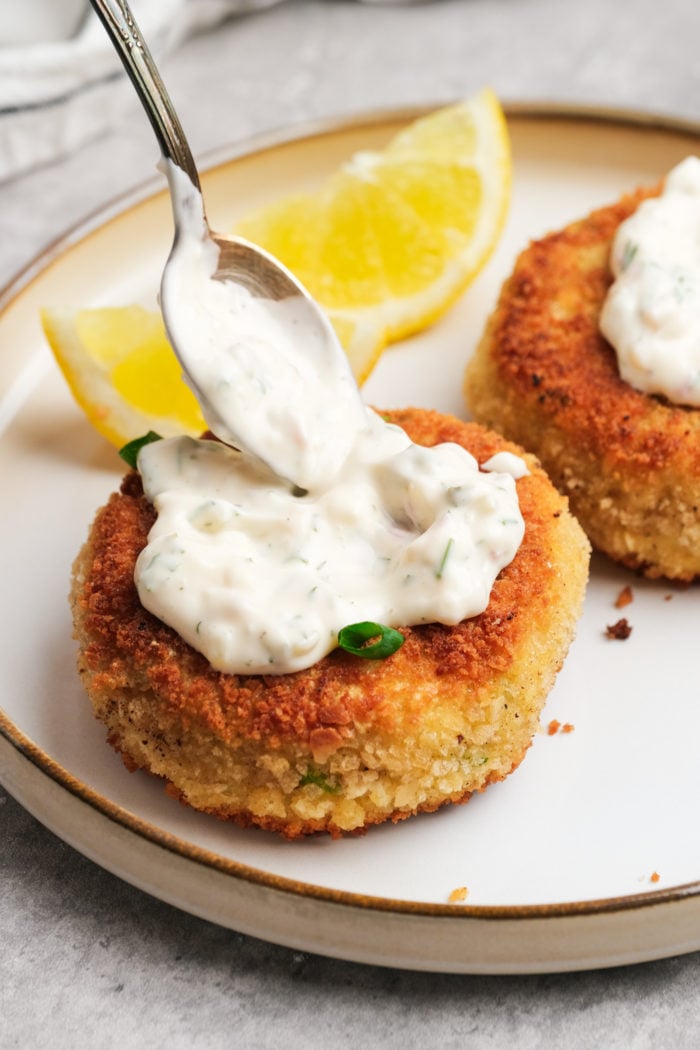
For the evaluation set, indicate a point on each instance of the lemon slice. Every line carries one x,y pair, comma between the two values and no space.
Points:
389,242
385,245
122,371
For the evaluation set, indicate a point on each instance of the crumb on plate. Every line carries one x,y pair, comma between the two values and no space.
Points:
624,597
619,631
555,726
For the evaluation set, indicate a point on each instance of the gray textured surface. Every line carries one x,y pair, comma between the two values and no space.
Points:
88,961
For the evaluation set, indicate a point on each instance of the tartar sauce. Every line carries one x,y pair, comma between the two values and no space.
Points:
261,553
651,315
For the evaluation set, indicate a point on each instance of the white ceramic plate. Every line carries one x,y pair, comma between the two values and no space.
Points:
560,860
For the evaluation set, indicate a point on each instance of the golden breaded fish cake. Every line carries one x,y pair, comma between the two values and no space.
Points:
544,376
349,742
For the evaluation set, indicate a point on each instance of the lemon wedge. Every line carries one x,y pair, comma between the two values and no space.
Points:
392,239
122,371
385,245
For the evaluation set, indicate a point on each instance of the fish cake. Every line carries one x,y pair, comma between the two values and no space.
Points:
546,377
349,742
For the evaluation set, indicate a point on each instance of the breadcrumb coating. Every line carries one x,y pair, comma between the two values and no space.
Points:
349,742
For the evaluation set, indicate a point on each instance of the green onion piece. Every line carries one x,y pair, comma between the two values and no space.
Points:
130,451
354,638
315,776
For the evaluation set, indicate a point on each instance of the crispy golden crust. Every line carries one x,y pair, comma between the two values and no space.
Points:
545,376
349,742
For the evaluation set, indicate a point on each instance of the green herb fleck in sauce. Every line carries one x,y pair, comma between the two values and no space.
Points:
443,562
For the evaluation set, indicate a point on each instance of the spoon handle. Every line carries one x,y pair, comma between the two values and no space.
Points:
121,27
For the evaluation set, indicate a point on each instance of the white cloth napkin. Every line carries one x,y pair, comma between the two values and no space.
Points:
57,93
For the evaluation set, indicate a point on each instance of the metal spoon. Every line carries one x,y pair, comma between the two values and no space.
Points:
240,263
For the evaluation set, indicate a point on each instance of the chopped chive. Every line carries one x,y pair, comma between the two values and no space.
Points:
628,254
383,641
319,779
445,556
130,451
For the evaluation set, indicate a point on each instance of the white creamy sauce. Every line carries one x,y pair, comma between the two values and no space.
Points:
651,315
507,463
262,553
268,377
